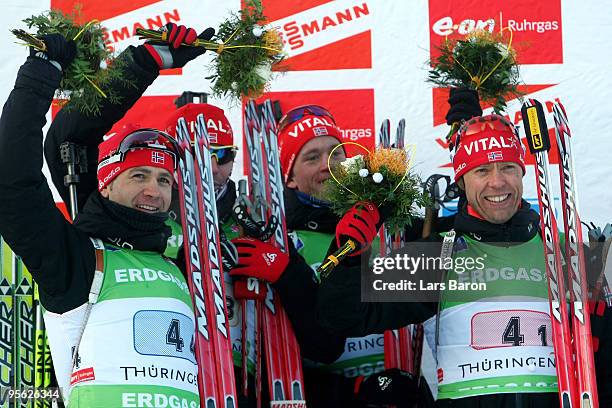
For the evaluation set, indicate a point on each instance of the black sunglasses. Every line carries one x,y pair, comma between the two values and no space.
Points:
223,155
298,113
144,138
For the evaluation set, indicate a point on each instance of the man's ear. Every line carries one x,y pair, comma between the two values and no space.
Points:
106,190
291,182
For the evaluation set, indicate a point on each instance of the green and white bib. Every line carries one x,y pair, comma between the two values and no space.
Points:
496,339
137,347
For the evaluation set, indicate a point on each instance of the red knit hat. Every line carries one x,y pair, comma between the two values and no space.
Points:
483,140
299,126
219,129
134,147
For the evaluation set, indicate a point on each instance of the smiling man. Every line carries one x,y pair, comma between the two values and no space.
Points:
477,335
489,166
113,303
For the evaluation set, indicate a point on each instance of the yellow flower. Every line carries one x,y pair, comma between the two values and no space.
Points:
395,160
272,39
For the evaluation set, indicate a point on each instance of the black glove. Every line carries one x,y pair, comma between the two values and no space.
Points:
171,53
464,105
393,387
60,52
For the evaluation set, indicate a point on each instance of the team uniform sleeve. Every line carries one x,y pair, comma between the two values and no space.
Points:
60,259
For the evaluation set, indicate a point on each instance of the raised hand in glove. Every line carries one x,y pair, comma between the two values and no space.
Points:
60,52
464,105
360,224
173,53
392,387
259,260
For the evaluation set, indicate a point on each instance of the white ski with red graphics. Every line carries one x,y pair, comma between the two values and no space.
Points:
252,132
536,131
211,344
276,322
581,322
282,354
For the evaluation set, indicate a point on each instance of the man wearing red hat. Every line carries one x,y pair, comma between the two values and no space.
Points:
224,152
110,297
493,347
308,135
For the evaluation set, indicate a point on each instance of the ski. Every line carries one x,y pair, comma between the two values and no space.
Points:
23,329
536,131
282,354
258,213
199,255
274,313
581,324
42,356
215,282
7,366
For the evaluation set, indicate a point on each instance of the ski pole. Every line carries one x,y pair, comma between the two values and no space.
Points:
73,155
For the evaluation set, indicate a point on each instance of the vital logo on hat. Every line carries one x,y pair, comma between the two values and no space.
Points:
483,140
300,125
220,131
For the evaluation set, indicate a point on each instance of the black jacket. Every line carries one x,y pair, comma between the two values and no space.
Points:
340,305
59,255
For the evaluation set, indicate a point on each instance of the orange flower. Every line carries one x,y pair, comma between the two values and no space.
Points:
395,160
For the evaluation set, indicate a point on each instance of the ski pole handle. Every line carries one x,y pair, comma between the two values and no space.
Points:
334,259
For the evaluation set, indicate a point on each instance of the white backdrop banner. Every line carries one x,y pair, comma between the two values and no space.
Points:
366,60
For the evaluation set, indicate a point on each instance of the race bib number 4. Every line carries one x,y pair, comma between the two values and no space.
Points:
164,333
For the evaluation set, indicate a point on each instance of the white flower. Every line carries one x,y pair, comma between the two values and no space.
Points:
364,173
257,31
503,49
264,71
103,64
351,162
377,177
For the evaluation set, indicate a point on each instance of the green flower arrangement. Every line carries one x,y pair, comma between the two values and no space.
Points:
86,81
246,52
483,62
381,177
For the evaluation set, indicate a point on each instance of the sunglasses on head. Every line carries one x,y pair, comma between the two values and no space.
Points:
490,122
147,139
223,154
298,113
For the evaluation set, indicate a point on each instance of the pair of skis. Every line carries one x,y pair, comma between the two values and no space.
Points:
211,343
402,347
575,365
25,359
282,352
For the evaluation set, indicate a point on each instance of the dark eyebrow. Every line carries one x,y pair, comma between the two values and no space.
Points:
140,169
311,151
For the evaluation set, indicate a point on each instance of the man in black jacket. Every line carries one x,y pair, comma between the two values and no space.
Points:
295,288
109,262
486,343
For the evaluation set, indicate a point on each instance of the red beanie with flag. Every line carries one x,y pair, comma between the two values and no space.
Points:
134,147
299,126
483,140
219,129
